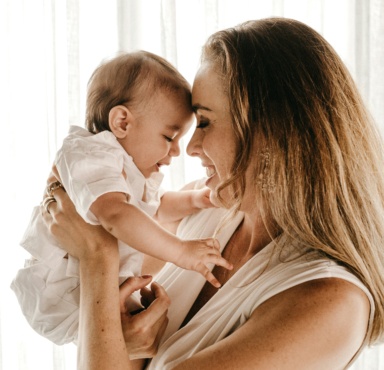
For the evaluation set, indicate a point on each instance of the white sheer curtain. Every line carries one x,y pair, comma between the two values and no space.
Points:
49,49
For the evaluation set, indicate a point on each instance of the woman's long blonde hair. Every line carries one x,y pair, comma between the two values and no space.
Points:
320,164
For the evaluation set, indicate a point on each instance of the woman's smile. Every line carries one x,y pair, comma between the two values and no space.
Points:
210,171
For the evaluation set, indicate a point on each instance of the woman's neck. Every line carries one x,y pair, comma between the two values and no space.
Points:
253,235
247,240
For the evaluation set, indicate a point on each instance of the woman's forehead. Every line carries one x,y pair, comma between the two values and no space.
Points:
207,89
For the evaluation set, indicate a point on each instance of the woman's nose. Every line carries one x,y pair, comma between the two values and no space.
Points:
194,148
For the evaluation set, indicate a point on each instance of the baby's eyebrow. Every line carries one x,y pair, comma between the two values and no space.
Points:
173,127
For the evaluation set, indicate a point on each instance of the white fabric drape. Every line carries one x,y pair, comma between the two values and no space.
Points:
49,48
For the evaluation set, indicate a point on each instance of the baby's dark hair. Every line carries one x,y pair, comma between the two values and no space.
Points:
128,79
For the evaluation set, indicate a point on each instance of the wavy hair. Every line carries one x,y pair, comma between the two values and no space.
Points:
319,156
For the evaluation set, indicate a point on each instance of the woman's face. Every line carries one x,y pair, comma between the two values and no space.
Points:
213,140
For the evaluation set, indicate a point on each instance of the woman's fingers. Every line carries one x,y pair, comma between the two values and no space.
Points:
78,238
61,202
143,331
147,296
144,342
129,286
158,306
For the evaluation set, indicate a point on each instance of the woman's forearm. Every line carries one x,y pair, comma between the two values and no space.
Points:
101,341
103,321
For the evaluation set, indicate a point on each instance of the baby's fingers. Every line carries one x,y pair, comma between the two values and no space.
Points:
213,243
206,272
219,261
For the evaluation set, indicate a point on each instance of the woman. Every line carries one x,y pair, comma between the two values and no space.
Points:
290,151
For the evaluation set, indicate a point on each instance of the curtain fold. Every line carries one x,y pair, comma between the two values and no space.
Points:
73,57
49,48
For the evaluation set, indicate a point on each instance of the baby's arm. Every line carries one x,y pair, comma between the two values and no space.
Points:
175,205
132,226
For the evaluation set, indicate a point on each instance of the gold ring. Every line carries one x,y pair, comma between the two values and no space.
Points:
47,201
52,187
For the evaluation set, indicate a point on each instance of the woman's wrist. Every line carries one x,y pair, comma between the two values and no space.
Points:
99,245
99,320
108,258
100,254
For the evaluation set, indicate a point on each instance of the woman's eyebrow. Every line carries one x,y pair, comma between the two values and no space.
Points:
196,107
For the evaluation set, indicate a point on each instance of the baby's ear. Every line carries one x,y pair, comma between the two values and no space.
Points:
119,119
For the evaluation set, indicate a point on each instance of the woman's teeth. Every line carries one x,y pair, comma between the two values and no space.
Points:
210,171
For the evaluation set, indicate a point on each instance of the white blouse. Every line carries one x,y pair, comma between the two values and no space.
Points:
262,277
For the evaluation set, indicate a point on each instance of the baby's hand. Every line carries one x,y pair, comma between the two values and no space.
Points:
199,254
200,198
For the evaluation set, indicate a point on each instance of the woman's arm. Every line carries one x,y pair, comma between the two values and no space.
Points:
101,340
317,325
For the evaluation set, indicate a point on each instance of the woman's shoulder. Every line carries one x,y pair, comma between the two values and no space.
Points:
297,265
321,293
326,317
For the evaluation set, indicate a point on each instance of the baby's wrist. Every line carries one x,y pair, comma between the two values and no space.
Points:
196,199
200,199
180,253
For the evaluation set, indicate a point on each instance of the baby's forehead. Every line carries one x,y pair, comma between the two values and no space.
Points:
181,128
175,127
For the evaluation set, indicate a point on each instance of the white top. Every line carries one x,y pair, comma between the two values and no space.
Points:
234,303
47,288
89,166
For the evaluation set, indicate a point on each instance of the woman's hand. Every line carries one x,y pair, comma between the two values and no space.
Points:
143,331
77,237
98,253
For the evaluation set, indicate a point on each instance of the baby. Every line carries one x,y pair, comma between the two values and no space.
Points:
138,109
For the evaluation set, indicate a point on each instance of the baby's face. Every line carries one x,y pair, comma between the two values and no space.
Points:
156,132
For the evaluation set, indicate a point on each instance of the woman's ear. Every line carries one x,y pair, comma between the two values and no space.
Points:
120,118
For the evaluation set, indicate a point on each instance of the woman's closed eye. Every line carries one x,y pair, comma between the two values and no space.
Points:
169,139
202,124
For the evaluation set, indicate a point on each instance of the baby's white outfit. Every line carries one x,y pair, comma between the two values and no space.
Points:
89,166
